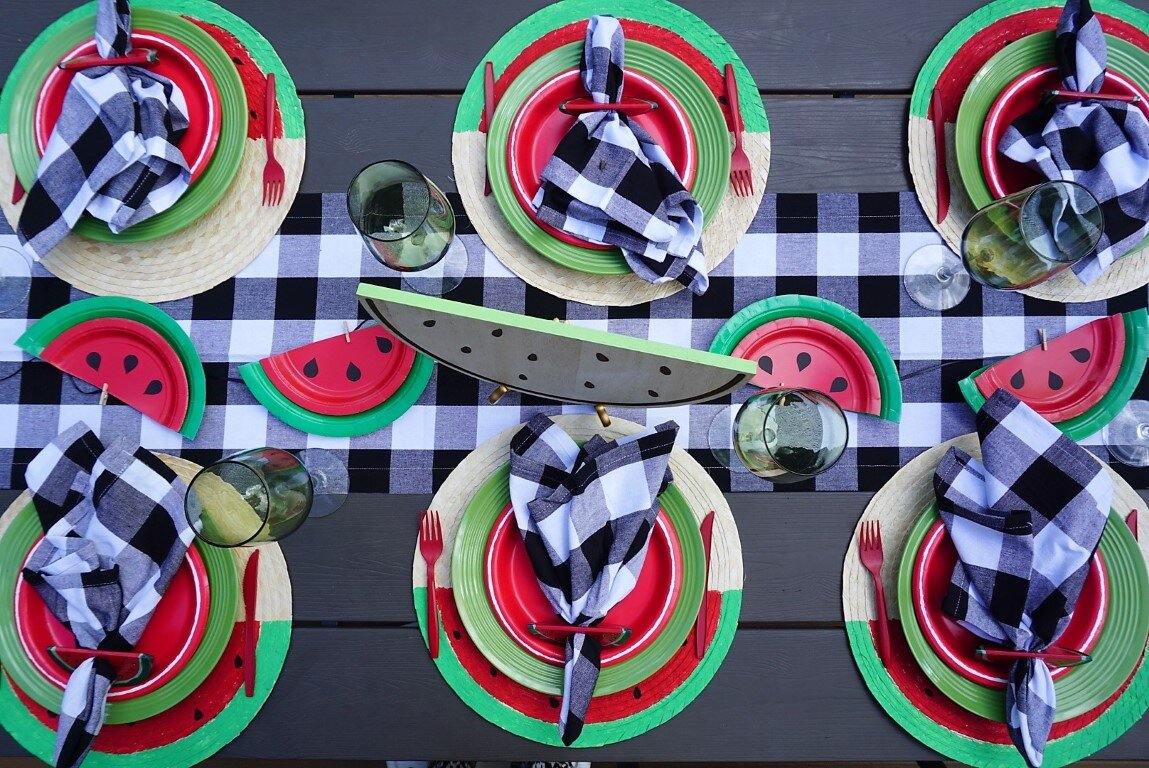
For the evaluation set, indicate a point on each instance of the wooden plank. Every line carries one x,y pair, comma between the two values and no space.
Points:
780,695
433,46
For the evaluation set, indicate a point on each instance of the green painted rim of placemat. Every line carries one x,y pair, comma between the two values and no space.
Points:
57,40
224,585
270,653
703,112
297,416
949,45
996,74
1083,688
777,307
658,12
593,734
469,585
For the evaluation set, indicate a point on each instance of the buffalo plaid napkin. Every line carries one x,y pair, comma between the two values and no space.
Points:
1102,145
114,536
586,515
1026,520
609,182
114,151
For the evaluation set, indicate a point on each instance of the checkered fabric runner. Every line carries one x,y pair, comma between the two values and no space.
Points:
845,247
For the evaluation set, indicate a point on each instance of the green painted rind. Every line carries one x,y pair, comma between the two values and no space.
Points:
1104,411
271,651
14,547
376,418
468,567
594,734
45,330
949,45
659,12
386,305
777,307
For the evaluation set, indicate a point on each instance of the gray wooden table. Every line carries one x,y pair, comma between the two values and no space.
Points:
382,78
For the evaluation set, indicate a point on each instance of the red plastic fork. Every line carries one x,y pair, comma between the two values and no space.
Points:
741,177
870,551
430,547
273,175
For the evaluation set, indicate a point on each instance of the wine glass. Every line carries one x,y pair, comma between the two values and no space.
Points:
1127,436
15,278
935,278
408,225
263,494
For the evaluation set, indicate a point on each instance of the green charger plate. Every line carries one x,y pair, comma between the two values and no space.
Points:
224,585
1115,656
470,589
201,196
697,101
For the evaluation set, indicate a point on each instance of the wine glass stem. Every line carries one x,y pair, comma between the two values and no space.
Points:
944,275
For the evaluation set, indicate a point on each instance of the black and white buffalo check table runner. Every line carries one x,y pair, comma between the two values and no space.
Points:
848,248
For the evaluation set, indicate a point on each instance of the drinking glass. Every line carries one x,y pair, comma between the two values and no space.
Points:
1030,236
15,278
263,494
935,278
408,225
1127,436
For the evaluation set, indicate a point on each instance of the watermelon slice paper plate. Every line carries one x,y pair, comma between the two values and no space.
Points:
808,342
344,386
1080,381
138,352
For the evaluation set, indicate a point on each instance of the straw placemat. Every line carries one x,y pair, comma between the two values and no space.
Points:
202,724
903,690
724,227
951,66
612,718
227,238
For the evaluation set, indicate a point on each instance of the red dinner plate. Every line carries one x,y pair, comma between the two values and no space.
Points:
1004,176
171,637
957,646
178,64
517,599
539,126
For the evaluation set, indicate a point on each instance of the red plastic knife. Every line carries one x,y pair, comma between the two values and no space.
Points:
17,191
1131,521
488,112
250,591
703,621
938,116
138,57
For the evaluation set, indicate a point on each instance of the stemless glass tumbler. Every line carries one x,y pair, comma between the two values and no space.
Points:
787,435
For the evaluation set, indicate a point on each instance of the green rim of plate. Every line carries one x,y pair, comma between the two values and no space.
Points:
1104,410
224,585
201,196
469,585
297,416
46,329
703,111
1115,656
777,307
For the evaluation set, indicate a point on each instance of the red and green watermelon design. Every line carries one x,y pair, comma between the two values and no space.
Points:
1079,381
141,355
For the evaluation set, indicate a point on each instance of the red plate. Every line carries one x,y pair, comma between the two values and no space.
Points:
178,64
1005,176
517,599
956,645
171,637
539,126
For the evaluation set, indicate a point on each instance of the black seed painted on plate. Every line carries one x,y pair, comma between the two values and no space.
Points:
664,371
154,387
601,357
353,372
804,360
637,693
238,661
532,357
928,692
457,634
1081,355
766,364
522,377
554,703
384,345
652,393
497,332
238,61
93,360
52,715
254,114
429,323
465,350
588,385
311,369
1055,381
130,363
198,715
494,672
838,385
1017,380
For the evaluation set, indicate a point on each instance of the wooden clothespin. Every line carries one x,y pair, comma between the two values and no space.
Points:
1044,342
347,331
104,395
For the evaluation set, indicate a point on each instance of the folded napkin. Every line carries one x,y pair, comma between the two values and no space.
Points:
1102,145
586,515
114,151
114,535
1026,520
609,182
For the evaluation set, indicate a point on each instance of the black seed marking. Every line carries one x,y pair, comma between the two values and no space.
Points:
1017,381
1055,381
532,357
1081,355
588,385
52,715
928,692
664,371
766,364
554,703
130,363
522,377
497,332
353,372
198,715
804,360
253,113
311,369
238,661
838,385
652,393
384,344
457,634
238,61
637,692
494,672
465,350
154,387
601,357
429,323
93,360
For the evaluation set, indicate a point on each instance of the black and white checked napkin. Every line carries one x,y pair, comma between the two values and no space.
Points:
609,182
1026,520
114,536
586,515
115,149
1102,145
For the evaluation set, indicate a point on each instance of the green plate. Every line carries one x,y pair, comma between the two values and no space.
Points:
777,307
475,610
56,41
1115,656
705,117
14,547
338,426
